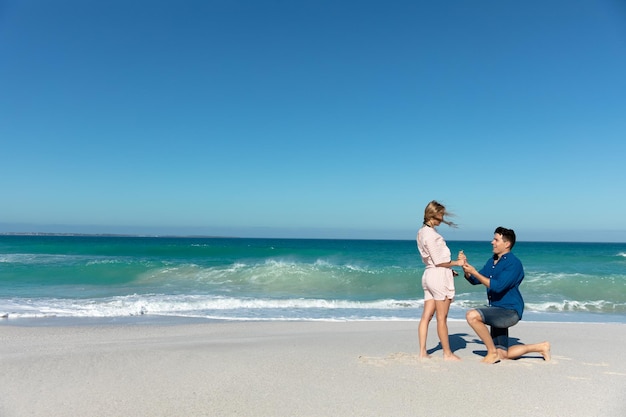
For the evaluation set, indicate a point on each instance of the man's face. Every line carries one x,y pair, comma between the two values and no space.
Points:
499,245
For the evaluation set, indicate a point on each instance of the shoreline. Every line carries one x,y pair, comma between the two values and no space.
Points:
148,319
304,368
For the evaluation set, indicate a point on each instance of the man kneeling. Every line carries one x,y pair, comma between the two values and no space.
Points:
502,275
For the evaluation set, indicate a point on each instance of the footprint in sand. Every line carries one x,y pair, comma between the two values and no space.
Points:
595,364
394,358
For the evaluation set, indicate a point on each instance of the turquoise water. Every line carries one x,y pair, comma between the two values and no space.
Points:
43,277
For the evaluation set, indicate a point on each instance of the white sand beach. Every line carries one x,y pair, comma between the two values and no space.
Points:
304,369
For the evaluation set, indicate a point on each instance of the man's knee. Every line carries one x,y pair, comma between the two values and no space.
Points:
473,316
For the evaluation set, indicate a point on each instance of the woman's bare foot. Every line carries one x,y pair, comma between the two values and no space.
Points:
424,355
545,352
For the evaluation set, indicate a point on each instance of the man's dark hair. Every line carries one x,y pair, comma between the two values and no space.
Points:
508,235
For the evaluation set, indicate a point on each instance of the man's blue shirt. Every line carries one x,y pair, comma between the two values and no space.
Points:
505,278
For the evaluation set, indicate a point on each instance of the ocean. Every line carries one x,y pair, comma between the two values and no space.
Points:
50,279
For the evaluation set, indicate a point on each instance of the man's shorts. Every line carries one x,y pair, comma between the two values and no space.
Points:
500,319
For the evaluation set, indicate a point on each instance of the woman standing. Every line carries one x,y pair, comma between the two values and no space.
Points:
438,278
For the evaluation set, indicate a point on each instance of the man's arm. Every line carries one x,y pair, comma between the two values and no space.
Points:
474,277
508,276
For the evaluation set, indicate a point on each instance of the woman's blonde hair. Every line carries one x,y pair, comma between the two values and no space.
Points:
435,209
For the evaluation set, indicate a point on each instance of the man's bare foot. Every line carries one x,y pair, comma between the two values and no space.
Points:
451,357
545,352
424,355
491,358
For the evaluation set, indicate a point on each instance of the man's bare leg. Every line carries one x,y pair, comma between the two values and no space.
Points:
519,350
475,320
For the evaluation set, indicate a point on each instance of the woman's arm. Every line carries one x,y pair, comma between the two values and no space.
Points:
461,259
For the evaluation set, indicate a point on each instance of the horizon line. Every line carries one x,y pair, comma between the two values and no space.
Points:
180,236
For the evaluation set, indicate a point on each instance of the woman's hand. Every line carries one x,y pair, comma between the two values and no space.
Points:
461,259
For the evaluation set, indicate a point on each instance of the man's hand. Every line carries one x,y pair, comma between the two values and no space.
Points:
469,269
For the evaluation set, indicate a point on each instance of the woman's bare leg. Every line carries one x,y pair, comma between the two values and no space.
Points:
422,330
442,307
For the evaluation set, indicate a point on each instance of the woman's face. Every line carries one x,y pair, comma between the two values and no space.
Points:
437,219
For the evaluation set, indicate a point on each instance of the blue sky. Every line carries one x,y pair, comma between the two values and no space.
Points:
313,118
